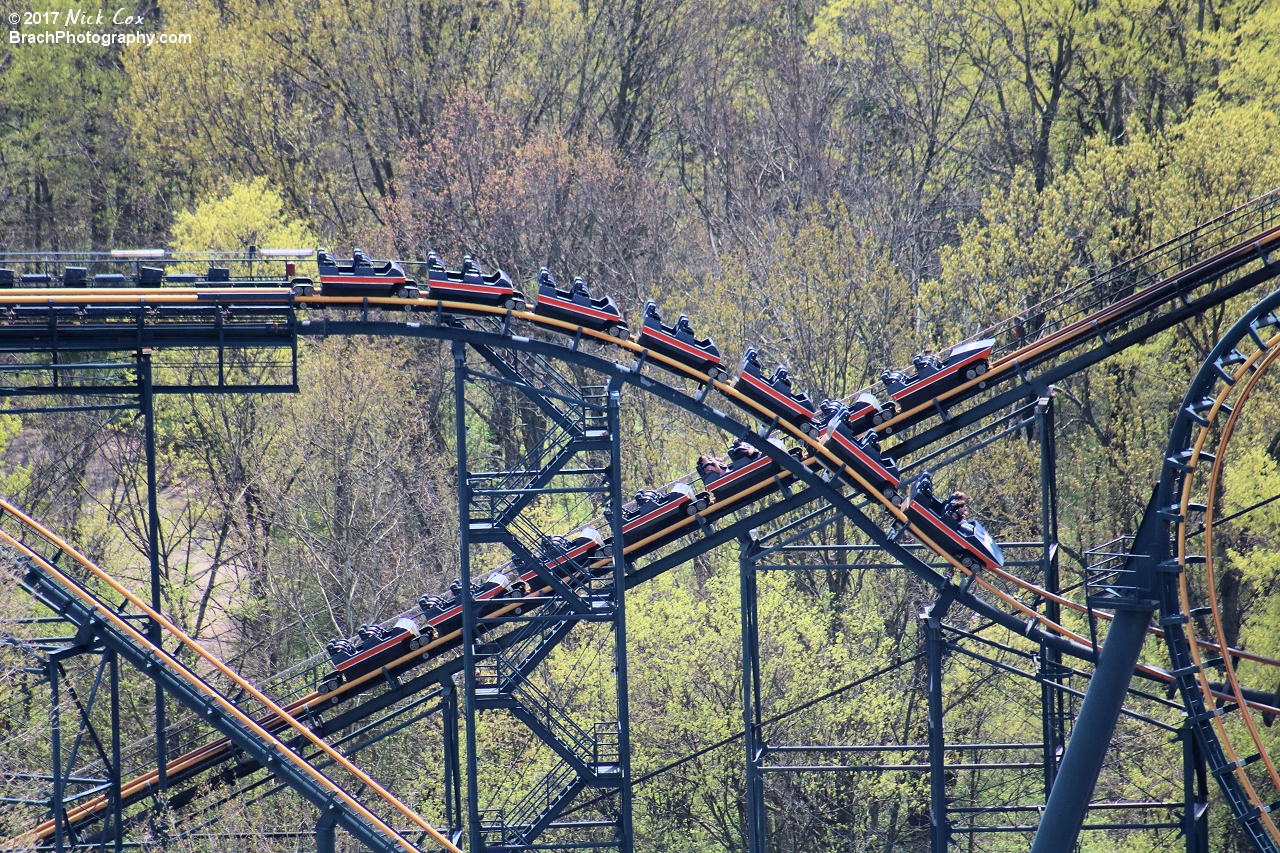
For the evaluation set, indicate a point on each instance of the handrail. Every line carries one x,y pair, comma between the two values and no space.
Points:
222,701
176,296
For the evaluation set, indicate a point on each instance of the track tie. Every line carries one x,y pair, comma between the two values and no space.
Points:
1184,671
1239,763
1226,769
1263,254
1172,513
942,412
1206,403
1252,814
1174,619
1257,338
1208,715
1190,412
1102,336
1169,567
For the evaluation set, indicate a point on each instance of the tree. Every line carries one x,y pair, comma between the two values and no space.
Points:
247,214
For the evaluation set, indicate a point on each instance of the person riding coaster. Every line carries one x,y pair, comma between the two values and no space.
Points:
947,524
711,468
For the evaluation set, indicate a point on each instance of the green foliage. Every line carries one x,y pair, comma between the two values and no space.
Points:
838,183
66,178
247,214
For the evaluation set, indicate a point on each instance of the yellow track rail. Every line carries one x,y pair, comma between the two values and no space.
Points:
162,297
1247,377
107,614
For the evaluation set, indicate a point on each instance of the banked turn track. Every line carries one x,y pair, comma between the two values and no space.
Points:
1086,324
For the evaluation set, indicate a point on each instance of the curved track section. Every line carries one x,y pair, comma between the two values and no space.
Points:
276,323
1227,725
1015,614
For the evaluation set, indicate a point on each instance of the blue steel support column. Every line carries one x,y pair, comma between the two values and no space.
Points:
751,710
326,832
475,836
1052,699
939,825
625,839
1091,735
117,806
1195,806
452,774
153,550
55,736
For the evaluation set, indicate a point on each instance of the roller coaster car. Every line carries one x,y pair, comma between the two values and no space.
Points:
934,376
678,342
743,467
967,541
773,393
827,410
653,512
373,647
576,306
444,612
866,411
471,284
558,552
362,278
862,454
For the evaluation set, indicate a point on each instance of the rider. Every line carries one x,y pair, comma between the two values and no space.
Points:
711,467
956,507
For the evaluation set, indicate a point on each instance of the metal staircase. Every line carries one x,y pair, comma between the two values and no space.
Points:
497,508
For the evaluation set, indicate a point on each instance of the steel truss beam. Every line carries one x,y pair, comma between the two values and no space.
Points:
99,632
76,329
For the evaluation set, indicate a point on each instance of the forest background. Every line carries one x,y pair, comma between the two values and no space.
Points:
840,183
